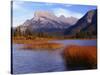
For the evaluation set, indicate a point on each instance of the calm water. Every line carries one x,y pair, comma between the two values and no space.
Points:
27,61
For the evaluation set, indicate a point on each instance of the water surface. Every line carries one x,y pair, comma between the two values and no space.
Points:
32,61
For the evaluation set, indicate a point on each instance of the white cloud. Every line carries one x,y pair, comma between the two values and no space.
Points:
68,5
21,19
67,13
20,13
17,5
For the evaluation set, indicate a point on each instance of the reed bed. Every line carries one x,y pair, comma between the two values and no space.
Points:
36,44
43,46
80,57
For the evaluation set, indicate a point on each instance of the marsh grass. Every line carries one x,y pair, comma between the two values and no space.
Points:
80,57
43,46
36,44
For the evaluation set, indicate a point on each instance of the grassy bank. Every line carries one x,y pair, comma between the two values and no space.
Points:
80,57
23,40
36,44
19,39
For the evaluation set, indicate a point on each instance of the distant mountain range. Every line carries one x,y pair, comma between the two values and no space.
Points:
45,19
85,27
47,22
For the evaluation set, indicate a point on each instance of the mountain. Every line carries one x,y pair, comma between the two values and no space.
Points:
85,27
69,20
45,21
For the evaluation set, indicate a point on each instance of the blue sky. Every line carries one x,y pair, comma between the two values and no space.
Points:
23,10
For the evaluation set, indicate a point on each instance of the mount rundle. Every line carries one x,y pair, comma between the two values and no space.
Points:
44,21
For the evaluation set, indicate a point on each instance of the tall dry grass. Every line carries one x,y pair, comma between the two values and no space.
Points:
42,46
80,57
36,44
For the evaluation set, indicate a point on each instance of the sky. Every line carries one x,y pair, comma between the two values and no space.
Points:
23,10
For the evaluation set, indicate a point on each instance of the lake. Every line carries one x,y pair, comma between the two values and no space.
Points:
32,61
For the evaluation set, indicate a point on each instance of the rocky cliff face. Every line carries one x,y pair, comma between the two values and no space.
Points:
44,21
47,22
87,24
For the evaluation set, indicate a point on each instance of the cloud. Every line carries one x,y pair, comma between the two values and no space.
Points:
68,5
18,20
20,13
17,5
67,13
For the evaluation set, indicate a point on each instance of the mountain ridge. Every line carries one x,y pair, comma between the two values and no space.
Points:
87,24
68,27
